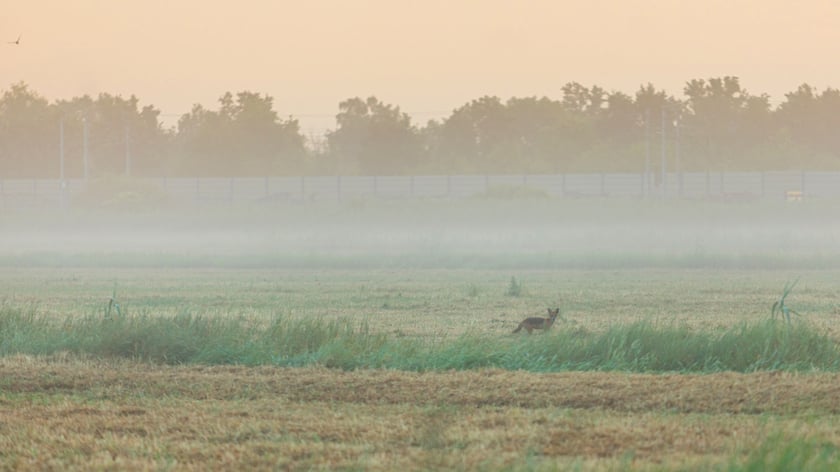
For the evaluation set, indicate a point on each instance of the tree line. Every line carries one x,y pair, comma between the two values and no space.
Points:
715,125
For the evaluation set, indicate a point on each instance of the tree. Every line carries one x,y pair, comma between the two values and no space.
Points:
28,134
538,134
244,138
810,121
621,119
122,138
542,135
719,112
470,135
650,100
619,133
584,101
588,129
374,138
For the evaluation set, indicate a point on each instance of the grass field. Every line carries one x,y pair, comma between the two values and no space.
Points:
73,395
433,302
82,411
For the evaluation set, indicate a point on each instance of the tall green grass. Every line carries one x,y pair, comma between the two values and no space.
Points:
641,346
176,339
782,453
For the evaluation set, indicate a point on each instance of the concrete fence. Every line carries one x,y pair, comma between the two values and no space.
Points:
697,185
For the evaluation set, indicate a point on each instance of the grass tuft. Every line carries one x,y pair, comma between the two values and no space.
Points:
514,288
781,308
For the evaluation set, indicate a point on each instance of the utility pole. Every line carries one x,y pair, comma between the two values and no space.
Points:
664,185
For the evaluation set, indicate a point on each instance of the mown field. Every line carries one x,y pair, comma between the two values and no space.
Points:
86,414
377,336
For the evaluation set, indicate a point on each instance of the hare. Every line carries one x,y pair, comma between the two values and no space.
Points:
531,324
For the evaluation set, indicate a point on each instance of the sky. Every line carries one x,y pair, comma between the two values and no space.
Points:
428,57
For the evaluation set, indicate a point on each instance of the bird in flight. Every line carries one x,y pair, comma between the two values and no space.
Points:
15,42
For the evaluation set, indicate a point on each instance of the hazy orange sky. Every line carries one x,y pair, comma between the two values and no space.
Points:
428,56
